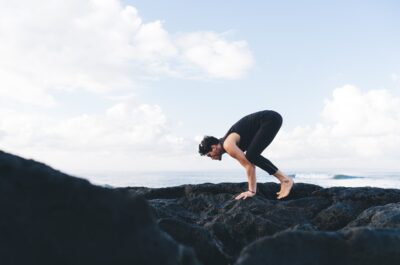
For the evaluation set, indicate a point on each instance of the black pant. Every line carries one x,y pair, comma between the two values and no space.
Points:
269,127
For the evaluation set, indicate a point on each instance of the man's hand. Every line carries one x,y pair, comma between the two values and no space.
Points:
244,195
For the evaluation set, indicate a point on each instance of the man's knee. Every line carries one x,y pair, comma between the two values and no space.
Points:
252,157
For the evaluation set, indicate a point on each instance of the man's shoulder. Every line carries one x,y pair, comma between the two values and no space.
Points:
232,138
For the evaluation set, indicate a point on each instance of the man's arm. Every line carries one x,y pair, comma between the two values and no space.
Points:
234,151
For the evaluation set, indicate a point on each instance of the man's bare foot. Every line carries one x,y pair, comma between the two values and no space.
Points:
286,186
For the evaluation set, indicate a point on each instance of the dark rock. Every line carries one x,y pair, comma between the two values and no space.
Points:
386,216
160,193
208,248
226,235
302,227
337,215
348,203
368,196
360,246
48,217
237,224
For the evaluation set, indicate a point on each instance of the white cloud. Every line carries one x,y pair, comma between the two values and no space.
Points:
137,132
219,57
56,48
353,112
101,46
25,90
119,128
358,130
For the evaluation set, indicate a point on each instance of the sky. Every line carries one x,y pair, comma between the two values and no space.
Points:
118,86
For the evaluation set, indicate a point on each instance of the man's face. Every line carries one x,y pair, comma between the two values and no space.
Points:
215,153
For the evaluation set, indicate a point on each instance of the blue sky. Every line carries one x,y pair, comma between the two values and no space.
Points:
108,85
303,50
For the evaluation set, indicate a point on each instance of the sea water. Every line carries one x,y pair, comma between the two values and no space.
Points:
159,179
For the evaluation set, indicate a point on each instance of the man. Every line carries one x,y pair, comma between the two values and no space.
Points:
252,133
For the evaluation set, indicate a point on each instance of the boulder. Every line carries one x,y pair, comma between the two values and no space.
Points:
359,246
48,217
386,216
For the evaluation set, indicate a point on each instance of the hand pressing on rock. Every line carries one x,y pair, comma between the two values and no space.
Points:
245,195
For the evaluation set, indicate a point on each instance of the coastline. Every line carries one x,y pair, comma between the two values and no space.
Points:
162,179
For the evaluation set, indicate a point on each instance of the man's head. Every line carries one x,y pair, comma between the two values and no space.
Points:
211,147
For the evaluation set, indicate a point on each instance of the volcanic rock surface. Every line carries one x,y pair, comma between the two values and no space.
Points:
48,217
313,225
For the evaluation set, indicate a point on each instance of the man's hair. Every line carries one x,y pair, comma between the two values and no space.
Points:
205,145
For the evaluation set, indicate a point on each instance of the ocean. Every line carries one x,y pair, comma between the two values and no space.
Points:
159,179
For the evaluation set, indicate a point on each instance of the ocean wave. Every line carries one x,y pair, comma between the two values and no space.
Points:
340,176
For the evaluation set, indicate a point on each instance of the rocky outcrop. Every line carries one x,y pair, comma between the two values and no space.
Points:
49,217
312,226
386,216
356,246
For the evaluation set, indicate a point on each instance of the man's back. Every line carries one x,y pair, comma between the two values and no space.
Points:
247,127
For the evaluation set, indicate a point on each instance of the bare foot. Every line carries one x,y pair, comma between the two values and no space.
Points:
286,186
